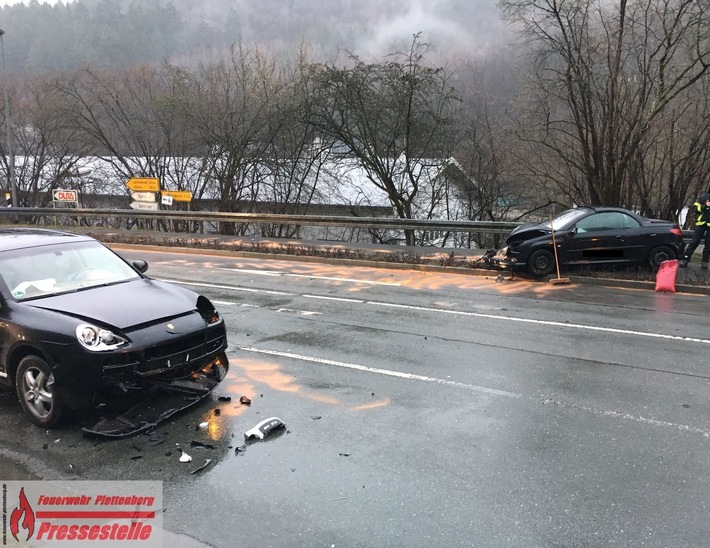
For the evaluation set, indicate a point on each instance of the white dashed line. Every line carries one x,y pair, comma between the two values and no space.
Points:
340,299
497,317
543,322
310,276
386,372
232,287
482,389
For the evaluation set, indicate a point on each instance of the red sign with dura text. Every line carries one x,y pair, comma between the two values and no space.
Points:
35,513
65,195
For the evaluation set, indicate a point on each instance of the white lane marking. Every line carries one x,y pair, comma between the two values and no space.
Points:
312,276
543,322
492,391
350,280
247,271
233,287
341,299
635,418
299,312
461,313
387,372
291,310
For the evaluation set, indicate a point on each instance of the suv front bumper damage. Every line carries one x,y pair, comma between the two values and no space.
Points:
162,399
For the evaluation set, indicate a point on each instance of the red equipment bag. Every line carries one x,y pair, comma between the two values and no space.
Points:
666,275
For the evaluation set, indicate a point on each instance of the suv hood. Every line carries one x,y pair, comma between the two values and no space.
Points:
122,305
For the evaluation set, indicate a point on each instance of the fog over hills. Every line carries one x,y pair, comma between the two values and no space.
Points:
43,37
366,27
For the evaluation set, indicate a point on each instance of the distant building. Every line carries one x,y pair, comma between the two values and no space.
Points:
334,184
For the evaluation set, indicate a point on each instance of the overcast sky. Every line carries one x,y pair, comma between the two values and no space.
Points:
10,2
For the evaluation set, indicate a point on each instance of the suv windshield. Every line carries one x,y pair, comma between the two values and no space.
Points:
60,268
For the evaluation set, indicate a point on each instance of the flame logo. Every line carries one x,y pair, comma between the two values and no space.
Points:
23,512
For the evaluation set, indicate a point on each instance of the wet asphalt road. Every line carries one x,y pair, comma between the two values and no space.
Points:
422,409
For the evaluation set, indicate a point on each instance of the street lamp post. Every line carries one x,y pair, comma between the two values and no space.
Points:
8,136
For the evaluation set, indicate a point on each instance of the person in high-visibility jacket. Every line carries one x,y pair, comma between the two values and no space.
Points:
701,208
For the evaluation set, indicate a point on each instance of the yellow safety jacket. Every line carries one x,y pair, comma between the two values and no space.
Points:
702,211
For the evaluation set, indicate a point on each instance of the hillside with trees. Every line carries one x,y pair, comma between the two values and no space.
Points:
570,103
114,33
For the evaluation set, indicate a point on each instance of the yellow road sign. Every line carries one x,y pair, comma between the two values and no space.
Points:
144,184
178,195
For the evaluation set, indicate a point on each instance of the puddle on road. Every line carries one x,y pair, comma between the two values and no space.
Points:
246,374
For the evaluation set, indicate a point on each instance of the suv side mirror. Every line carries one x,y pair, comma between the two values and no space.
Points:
140,265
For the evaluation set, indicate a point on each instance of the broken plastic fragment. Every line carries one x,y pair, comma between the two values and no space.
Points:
264,428
185,457
201,445
244,400
203,425
205,465
225,398
240,450
156,438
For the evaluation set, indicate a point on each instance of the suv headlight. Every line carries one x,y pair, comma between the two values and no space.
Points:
97,339
207,310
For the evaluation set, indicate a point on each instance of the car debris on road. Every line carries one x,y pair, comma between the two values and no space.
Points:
264,428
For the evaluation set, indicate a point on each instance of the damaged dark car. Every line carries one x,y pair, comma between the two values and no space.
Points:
590,236
83,327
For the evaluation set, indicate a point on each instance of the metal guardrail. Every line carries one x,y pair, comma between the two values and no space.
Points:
393,223
270,218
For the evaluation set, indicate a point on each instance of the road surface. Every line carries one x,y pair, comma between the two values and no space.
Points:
422,409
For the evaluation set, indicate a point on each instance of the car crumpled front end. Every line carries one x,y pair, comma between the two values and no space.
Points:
138,374
500,259
518,246
186,362
158,401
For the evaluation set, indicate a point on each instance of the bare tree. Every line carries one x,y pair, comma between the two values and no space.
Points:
604,75
388,115
296,155
44,146
235,111
135,118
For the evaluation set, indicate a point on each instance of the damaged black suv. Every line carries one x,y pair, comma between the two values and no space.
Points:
80,326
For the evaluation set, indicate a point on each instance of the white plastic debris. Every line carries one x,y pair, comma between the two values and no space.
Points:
264,428
203,425
185,457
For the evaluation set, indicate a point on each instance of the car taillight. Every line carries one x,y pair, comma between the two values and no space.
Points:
677,231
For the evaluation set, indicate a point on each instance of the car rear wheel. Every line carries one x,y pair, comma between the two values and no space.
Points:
660,254
35,388
541,262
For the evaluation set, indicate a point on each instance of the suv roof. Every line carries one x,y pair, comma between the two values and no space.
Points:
18,238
